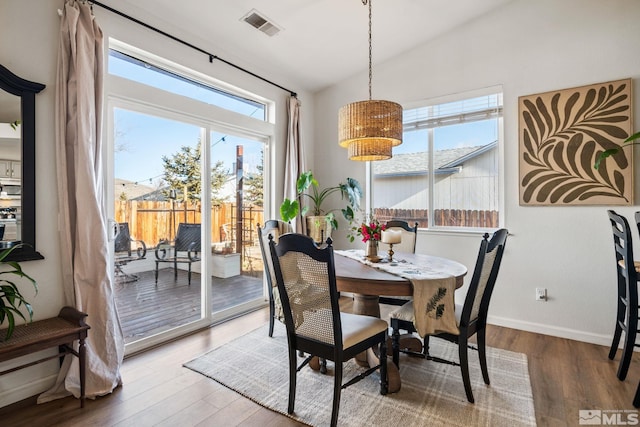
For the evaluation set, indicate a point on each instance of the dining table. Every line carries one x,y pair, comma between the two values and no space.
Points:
367,284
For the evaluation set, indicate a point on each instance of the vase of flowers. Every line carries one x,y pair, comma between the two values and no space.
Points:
372,249
371,233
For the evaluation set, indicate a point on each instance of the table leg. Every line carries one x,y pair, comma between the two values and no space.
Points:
82,355
368,305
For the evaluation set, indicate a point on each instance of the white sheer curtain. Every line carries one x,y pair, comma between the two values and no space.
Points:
294,161
82,224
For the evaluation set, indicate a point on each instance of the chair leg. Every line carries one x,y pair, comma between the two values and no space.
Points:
175,270
189,277
463,354
636,399
425,347
616,340
384,378
272,316
482,354
337,389
395,346
156,273
627,352
618,331
293,369
323,365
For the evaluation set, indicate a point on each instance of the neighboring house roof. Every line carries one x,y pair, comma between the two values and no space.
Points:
138,192
133,190
445,161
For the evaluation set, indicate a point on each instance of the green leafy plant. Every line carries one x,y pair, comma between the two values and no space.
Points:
309,190
11,300
612,151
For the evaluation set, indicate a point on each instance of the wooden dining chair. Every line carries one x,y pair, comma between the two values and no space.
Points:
408,244
471,316
315,325
627,299
275,228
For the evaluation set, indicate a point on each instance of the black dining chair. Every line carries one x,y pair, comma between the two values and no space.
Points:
408,244
471,316
315,325
275,228
627,298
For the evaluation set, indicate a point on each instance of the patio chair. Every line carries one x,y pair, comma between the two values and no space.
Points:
316,326
408,244
187,240
471,317
123,253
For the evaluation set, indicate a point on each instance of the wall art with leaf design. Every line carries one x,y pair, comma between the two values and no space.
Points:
561,135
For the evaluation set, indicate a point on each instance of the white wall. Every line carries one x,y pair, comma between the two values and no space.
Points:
527,47
28,47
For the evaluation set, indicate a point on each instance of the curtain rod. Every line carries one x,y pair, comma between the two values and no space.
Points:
210,55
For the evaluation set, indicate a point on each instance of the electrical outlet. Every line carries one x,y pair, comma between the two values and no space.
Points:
541,294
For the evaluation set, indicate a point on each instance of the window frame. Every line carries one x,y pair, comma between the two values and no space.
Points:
448,230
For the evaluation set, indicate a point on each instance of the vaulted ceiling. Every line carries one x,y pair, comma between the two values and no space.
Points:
320,42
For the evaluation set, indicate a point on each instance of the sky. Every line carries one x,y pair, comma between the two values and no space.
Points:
142,140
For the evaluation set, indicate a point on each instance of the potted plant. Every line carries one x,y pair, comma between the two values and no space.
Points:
11,299
320,222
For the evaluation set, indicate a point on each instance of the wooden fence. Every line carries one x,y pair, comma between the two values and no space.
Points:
152,221
442,217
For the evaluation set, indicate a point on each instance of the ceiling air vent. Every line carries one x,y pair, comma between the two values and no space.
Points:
261,22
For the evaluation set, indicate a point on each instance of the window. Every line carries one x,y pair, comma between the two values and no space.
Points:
129,67
446,173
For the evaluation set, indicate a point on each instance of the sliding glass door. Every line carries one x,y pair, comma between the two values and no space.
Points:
187,164
157,199
237,195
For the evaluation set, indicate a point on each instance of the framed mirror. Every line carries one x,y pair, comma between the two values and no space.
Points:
17,165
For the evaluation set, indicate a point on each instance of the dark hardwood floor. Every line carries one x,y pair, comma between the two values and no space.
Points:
566,376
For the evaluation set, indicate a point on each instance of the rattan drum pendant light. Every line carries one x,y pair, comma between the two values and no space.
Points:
369,129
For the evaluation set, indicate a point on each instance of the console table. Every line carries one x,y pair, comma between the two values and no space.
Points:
59,331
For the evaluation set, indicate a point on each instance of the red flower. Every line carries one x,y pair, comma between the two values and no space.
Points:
371,230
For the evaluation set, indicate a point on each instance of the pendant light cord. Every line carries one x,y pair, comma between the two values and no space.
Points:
370,48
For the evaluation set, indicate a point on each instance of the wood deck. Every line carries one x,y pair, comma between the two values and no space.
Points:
146,309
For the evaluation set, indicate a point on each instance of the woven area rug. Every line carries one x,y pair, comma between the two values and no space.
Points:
256,366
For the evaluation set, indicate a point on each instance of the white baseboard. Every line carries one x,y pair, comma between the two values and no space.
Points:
554,331
31,388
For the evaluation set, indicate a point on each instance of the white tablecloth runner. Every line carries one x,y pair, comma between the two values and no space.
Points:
433,291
